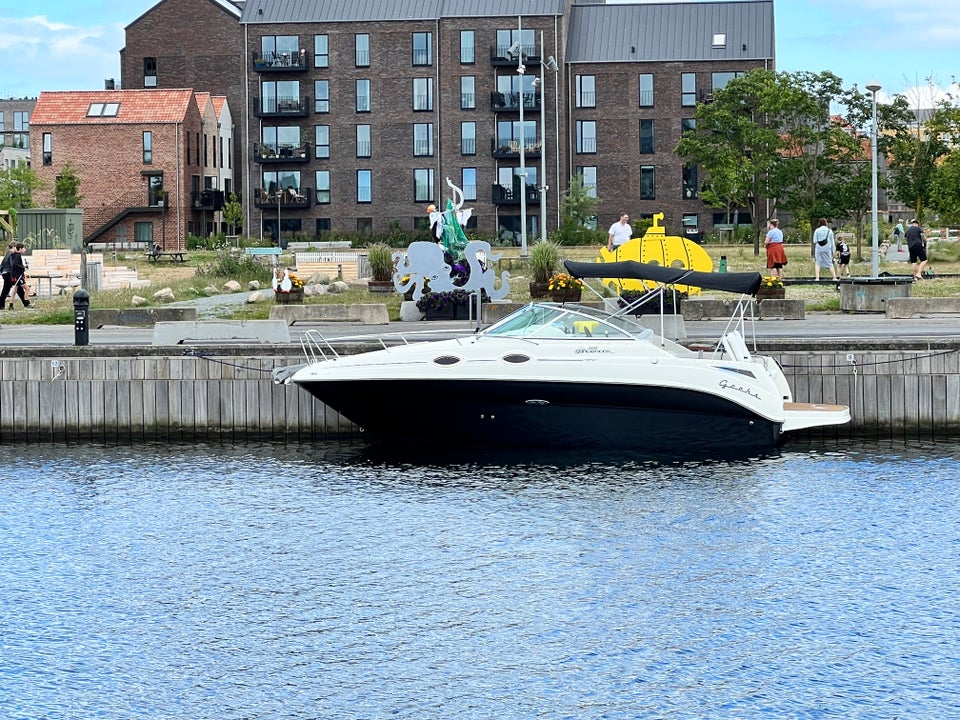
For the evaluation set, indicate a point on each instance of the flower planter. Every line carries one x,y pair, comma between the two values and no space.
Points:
289,298
450,312
539,290
381,286
771,293
561,296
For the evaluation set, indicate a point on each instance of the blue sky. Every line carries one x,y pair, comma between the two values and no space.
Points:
904,44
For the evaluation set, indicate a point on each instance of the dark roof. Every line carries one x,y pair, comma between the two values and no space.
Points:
670,31
304,11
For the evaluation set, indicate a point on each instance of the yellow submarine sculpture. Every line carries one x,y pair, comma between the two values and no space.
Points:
657,248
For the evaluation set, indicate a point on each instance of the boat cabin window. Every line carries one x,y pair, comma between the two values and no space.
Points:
554,321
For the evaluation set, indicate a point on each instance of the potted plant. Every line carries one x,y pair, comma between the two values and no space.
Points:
771,288
380,257
564,288
544,259
445,305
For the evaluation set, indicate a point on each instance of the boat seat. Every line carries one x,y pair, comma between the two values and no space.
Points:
735,346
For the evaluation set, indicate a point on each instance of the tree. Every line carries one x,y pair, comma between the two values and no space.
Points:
17,185
233,213
66,189
579,210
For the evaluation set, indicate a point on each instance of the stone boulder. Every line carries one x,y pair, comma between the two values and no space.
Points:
257,296
137,301
164,295
231,286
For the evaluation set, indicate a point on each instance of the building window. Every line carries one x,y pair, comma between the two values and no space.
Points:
363,96
364,146
2,128
468,94
323,227
323,187
468,138
48,149
364,226
648,186
422,48
423,93
506,39
147,147
98,110
280,96
719,80
688,89
646,90
586,136
280,140
280,49
690,187
423,139
149,72
586,91
688,125
364,186
143,233
691,224
362,45
321,141
321,51
423,184
468,183
719,40
321,96
21,120
467,47
646,137
282,180
589,174
509,134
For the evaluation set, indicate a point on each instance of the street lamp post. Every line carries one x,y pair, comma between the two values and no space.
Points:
873,86
550,64
521,68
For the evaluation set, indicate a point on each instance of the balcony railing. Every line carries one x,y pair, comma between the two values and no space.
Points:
209,200
287,198
499,56
281,153
501,195
510,148
281,107
281,61
510,102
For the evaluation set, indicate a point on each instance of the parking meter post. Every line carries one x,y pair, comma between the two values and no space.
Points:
723,263
81,326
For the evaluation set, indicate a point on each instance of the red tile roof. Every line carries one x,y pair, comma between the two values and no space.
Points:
136,106
218,102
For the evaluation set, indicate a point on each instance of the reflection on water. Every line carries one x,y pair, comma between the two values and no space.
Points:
342,581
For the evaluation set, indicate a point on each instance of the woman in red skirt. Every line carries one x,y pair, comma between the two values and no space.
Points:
776,257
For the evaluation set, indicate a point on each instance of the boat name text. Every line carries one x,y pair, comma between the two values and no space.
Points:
724,385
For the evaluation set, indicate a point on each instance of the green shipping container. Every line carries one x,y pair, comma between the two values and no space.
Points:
50,228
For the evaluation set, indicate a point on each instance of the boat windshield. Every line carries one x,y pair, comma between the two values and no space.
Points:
571,321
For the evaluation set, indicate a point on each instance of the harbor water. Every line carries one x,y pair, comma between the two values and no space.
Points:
270,581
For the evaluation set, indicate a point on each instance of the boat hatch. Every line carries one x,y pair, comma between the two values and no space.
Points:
446,360
516,358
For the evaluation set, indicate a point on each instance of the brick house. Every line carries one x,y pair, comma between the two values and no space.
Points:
139,155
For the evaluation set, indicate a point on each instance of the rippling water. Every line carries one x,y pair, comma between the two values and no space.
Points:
277,582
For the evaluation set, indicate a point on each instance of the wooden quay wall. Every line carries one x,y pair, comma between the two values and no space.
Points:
898,389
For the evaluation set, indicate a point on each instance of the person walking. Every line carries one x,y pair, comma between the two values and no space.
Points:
843,257
898,235
13,276
823,248
619,233
917,245
776,256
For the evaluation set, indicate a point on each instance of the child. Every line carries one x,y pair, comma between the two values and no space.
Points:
843,253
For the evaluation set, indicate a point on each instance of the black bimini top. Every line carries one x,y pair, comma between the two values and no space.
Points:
744,283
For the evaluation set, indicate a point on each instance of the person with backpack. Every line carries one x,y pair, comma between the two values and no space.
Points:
13,270
823,243
898,235
843,257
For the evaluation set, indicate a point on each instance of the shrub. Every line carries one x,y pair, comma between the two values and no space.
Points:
381,262
544,260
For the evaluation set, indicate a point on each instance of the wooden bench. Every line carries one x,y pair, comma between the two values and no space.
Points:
174,255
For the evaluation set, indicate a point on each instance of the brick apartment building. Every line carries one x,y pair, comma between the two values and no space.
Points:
144,158
351,114
15,131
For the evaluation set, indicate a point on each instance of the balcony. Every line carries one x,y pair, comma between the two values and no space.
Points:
288,199
207,200
510,148
269,154
501,195
280,62
510,102
281,107
500,58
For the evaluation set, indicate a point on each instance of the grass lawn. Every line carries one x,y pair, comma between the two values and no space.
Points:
201,270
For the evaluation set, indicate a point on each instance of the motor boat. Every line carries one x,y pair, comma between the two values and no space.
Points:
572,375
